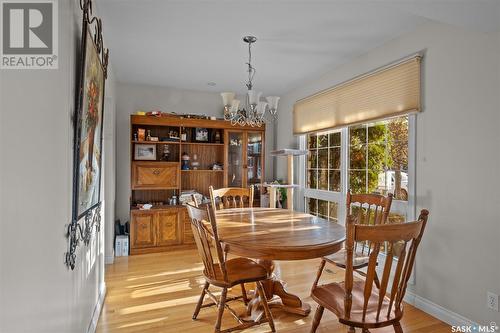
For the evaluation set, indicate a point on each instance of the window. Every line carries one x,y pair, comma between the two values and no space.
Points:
365,158
322,208
379,158
323,166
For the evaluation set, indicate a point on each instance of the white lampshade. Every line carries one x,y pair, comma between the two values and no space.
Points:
261,108
235,105
227,98
273,102
253,97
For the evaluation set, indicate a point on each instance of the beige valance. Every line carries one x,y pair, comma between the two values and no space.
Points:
390,91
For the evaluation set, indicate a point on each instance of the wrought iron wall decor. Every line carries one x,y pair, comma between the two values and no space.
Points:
88,127
82,233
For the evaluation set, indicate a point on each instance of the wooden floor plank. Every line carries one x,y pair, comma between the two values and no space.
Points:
157,293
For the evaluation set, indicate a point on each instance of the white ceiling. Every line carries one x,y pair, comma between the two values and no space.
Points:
188,43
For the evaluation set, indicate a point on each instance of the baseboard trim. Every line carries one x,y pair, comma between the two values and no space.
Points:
437,311
97,310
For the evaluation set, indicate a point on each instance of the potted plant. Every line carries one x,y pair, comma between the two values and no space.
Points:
281,197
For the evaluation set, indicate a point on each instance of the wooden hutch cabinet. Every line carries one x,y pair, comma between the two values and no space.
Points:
238,149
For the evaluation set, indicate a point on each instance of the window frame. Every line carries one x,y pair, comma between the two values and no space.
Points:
406,208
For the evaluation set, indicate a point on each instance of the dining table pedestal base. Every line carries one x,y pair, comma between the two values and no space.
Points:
276,296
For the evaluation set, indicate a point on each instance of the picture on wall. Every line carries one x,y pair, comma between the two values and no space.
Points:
89,126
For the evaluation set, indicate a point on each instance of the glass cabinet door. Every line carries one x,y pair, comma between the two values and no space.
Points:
235,159
254,162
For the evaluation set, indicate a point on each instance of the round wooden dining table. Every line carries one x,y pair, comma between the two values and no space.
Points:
268,234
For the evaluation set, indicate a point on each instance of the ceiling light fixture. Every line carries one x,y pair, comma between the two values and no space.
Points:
254,112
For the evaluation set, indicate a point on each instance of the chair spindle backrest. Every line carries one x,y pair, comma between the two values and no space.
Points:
194,201
403,240
231,197
204,226
368,209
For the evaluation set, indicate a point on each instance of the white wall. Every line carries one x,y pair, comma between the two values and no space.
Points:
134,97
37,292
458,160
109,168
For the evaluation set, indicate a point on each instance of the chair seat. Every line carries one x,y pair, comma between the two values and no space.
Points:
239,270
360,260
331,297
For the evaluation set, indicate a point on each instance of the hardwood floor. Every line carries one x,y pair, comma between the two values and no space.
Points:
156,293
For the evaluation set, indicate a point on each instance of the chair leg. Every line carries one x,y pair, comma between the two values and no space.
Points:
317,318
398,328
244,294
200,301
263,299
318,275
222,303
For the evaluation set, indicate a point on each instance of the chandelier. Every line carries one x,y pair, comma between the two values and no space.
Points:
253,112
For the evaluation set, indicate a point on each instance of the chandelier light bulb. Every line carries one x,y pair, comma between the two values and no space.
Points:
254,97
227,98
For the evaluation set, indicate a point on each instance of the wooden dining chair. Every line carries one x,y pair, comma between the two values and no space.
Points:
358,303
369,209
224,273
231,197
194,201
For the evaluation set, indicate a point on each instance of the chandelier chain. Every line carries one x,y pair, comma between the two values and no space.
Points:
251,69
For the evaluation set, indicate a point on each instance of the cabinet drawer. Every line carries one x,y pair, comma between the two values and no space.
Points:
155,175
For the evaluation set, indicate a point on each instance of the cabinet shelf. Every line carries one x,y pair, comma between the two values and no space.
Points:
202,143
202,170
156,142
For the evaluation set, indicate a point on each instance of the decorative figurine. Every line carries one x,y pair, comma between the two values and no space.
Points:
173,135
183,134
195,164
166,153
217,166
185,161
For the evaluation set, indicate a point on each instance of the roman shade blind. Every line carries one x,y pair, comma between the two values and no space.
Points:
390,91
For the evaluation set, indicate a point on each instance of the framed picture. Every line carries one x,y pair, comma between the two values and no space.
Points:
201,134
145,152
88,128
87,136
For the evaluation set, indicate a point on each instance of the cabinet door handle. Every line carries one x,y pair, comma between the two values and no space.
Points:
156,172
